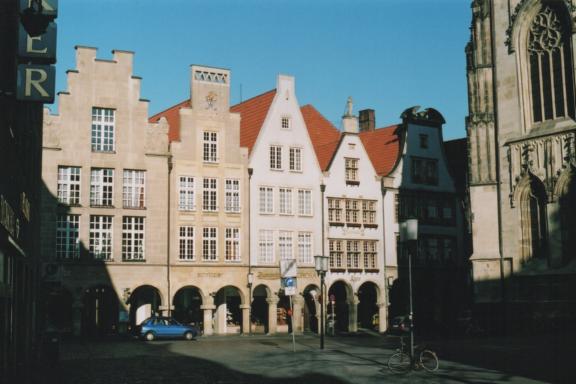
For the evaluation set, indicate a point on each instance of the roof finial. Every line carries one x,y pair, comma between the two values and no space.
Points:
349,106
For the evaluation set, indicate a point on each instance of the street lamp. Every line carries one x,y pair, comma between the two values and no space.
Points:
321,266
250,282
409,235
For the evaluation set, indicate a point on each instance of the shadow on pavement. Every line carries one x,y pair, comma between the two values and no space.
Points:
157,364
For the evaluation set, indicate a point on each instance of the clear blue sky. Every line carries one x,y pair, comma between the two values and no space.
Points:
387,54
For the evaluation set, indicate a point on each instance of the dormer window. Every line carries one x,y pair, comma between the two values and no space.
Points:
285,122
351,171
424,141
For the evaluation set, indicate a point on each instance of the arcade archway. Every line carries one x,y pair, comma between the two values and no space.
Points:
100,311
187,302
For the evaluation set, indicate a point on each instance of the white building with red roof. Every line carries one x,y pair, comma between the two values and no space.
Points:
354,232
285,213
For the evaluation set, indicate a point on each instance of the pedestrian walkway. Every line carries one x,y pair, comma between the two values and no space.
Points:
256,359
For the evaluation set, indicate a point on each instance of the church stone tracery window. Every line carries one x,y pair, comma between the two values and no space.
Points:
550,67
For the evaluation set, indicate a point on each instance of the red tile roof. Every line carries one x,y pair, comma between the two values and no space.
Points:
173,117
383,147
324,136
253,112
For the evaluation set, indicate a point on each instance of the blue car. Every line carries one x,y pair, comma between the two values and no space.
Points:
157,327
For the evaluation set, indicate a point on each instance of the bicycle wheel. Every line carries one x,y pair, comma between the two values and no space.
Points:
429,360
399,362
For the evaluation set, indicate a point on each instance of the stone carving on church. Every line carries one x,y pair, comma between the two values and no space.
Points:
524,5
544,158
545,32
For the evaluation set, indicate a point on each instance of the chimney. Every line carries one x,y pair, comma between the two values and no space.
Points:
367,120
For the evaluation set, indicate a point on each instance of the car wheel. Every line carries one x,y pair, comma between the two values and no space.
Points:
149,336
189,335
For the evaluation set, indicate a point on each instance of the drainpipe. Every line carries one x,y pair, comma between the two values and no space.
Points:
249,276
170,166
386,300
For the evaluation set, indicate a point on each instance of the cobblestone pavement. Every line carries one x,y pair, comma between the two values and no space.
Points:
250,360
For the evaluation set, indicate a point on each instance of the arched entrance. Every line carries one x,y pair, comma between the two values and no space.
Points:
144,302
58,309
533,218
311,300
368,306
339,296
284,314
100,311
228,314
187,302
260,309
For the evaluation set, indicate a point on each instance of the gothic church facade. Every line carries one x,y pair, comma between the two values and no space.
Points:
521,131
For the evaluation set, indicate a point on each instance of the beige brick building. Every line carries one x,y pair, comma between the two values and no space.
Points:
104,205
208,207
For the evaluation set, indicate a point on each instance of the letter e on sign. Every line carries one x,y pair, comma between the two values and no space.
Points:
35,83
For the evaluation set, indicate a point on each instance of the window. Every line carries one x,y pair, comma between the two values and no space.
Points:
266,246
232,244
133,190
351,170
285,122
304,202
304,247
334,210
353,254
369,212
275,157
67,243
101,237
210,147
352,212
132,238
232,195
186,251
423,141
285,245
102,129
285,201
295,159
209,244
186,194
424,171
396,207
209,195
266,200
550,62
101,186
336,254
370,254
69,185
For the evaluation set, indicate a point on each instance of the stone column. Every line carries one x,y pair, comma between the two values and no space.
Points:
245,318
298,314
208,326
272,314
382,317
353,314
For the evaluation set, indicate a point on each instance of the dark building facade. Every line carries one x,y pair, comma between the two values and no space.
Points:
20,185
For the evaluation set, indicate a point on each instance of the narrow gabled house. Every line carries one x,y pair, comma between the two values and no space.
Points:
354,230
417,184
208,198
104,212
285,213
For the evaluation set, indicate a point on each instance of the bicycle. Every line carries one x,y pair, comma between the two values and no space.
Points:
400,361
